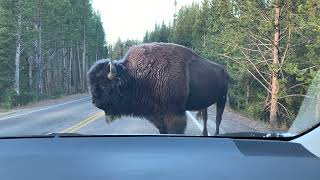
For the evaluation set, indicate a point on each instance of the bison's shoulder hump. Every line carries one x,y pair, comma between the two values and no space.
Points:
153,54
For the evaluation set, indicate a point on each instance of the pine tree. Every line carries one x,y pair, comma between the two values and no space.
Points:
42,56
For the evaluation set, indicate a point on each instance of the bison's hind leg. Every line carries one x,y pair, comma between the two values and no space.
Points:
203,114
220,108
175,123
158,122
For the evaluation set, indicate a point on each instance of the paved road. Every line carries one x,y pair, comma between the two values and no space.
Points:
74,116
78,115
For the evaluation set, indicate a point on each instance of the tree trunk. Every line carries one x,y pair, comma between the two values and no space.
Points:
46,81
38,52
60,72
52,83
64,70
40,57
97,55
37,65
79,68
317,107
84,59
70,70
17,59
74,71
30,72
274,77
247,93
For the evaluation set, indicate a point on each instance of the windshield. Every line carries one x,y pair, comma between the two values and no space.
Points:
135,67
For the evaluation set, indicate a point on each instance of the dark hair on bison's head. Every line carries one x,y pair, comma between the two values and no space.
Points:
106,81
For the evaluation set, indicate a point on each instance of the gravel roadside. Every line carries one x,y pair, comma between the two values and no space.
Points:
233,122
46,102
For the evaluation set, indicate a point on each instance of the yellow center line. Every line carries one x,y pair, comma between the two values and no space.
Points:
86,123
82,123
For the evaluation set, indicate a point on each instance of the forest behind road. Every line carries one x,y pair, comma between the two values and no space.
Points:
270,49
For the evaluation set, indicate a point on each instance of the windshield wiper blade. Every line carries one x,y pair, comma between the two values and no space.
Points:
64,134
266,135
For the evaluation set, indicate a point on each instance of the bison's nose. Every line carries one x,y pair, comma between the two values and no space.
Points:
93,101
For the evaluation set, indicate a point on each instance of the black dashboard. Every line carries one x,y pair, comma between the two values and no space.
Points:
125,157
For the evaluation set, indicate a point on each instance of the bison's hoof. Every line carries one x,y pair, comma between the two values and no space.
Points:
205,133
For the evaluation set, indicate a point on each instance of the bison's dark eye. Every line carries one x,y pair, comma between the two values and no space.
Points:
94,95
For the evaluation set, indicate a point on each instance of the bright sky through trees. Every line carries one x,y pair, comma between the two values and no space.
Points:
129,19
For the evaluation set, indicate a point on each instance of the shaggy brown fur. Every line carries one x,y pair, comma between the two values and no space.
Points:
163,69
159,81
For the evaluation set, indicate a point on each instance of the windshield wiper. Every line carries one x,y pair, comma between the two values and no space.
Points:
259,135
50,135
64,134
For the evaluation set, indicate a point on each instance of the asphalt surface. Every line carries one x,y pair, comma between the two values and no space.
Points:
78,115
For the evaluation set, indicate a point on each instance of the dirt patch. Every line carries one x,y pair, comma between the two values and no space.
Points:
233,122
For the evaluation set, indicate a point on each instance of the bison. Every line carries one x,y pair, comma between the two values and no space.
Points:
159,82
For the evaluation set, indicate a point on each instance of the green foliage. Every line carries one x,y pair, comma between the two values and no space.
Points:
7,46
239,35
159,34
55,35
120,48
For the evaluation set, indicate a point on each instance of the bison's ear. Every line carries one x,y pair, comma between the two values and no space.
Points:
112,71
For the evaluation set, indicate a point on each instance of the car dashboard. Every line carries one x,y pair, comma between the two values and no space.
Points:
154,157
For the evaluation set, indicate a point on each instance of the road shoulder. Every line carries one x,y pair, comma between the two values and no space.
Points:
43,103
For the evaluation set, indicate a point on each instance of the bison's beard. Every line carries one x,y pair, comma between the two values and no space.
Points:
110,118
98,104
110,109
109,115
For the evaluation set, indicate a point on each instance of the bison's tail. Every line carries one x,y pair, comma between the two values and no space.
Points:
227,87
202,114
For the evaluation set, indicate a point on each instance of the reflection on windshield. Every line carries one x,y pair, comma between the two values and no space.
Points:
191,67
309,113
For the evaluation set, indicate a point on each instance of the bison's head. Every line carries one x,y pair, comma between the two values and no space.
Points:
105,81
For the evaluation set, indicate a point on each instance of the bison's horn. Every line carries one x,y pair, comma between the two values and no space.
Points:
112,73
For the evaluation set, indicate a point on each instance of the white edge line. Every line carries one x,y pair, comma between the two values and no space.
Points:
9,117
195,121
11,112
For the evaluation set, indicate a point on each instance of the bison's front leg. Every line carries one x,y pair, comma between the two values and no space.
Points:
175,123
